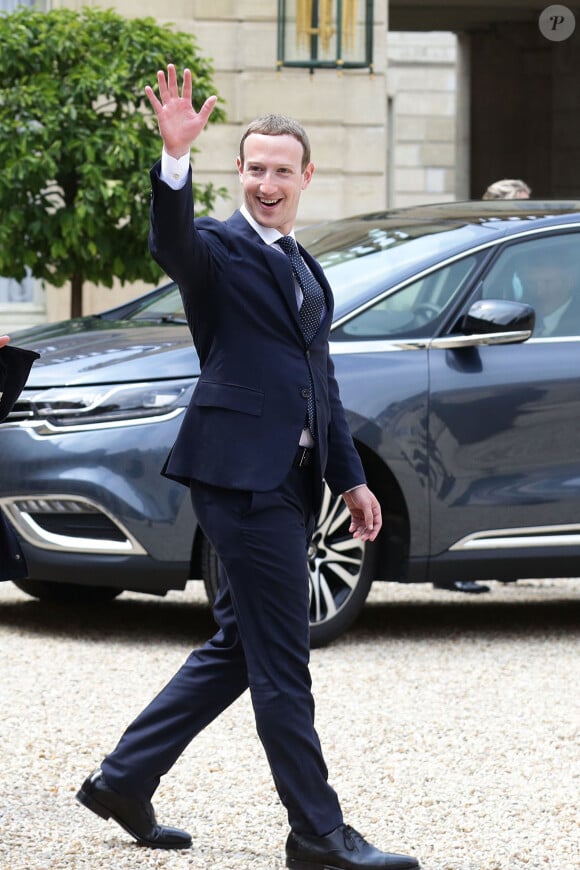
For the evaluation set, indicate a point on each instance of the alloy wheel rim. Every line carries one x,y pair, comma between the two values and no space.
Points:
335,560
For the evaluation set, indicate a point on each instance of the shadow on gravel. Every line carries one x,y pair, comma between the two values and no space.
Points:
155,620
434,620
131,620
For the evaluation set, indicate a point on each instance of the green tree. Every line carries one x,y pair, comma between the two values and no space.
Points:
77,139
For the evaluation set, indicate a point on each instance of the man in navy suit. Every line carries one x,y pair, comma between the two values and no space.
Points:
15,364
264,427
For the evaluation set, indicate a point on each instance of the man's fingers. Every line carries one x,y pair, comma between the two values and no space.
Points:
169,90
186,91
366,520
207,108
376,521
162,85
152,97
172,86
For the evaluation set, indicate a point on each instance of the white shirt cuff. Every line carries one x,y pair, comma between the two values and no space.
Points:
174,169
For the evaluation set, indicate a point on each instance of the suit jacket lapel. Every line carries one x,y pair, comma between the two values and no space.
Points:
280,267
276,261
282,271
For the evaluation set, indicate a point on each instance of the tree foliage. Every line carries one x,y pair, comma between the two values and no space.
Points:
77,139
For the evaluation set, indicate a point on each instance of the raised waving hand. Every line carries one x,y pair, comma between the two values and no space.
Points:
179,123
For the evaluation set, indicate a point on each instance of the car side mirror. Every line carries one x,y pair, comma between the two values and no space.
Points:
498,315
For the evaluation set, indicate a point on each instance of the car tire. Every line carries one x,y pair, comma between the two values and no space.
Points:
73,593
341,572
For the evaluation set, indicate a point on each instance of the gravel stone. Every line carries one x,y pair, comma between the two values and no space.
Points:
449,724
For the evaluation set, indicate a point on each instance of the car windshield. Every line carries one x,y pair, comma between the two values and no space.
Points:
360,257
363,260
164,307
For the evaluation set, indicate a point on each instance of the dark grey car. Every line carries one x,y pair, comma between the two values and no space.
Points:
464,412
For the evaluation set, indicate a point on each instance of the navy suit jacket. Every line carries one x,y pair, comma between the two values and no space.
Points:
243,424
15,364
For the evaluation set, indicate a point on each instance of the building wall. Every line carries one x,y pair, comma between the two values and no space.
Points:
423,90
527,124
361,164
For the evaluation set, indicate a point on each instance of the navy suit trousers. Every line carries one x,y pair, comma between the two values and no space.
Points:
262,642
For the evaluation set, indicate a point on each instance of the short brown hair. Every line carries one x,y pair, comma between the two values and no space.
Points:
278,125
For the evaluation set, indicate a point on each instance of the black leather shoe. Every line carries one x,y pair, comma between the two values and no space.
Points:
137,818
342,849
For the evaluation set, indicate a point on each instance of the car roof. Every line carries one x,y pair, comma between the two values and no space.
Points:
363,253
499,216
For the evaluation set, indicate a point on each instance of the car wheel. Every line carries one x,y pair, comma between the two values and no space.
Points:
74,593
341,572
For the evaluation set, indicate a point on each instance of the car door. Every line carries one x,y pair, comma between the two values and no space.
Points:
503,419
381,357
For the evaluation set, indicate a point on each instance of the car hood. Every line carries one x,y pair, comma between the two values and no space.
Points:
91,350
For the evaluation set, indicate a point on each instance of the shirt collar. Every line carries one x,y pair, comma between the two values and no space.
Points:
269,235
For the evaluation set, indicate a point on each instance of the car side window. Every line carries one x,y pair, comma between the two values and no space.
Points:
544,272
412,310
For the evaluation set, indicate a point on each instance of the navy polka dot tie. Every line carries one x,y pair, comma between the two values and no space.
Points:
313,303
310,311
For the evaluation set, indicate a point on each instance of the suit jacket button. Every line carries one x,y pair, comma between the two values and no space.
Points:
304,393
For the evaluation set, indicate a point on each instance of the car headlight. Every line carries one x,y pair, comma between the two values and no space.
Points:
107,404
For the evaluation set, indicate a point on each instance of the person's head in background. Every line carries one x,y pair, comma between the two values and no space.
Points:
549,279
508,188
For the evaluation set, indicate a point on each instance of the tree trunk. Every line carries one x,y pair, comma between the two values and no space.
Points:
76,296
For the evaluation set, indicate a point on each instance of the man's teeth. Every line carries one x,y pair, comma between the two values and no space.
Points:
269,201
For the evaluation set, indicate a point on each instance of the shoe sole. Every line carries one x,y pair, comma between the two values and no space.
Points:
299,864
88,801
296,864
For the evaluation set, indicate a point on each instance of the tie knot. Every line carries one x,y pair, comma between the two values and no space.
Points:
288,245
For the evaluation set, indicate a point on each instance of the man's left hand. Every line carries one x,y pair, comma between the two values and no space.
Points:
365,511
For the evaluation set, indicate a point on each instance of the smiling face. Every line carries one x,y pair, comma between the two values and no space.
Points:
273,179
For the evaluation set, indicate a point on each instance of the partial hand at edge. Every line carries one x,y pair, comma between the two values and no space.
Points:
365,511
179,123
4,339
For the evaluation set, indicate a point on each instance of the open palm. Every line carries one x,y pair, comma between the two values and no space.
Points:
179,123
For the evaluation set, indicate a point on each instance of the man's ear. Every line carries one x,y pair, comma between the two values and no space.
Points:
240,166
307,175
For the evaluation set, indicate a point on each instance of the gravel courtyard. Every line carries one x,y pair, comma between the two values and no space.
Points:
449,724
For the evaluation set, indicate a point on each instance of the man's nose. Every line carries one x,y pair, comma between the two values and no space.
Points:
267,182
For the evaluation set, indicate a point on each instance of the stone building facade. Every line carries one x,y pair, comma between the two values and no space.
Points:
380,139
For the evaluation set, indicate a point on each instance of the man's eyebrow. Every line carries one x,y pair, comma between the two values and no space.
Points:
263,163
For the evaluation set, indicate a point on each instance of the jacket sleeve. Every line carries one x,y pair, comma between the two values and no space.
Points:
193,258
173,240
15,365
